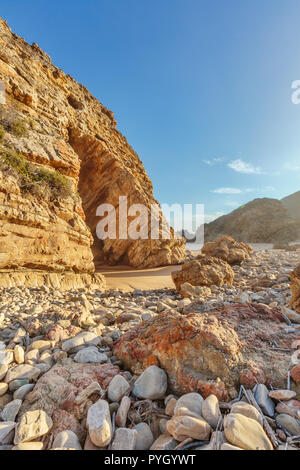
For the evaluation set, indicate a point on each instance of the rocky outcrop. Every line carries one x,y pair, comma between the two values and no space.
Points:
260,221
62,281
61,156
204,271
227,249
295,288
212,352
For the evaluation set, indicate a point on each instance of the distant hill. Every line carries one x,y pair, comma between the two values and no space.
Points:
292,204
260,221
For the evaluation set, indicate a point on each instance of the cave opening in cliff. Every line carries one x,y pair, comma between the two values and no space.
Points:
91,185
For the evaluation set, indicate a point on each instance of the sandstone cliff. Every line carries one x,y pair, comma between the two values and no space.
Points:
61,157
260,221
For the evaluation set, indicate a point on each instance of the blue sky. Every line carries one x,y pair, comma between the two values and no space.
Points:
200,88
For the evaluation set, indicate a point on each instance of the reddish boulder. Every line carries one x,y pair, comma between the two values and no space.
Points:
227,249
204,271
55,393
211,352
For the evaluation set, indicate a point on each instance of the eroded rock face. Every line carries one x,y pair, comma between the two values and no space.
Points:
227,249
69,132
234,344
295,288
204,271
113,170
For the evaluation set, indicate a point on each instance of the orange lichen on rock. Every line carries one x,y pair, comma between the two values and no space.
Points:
211,352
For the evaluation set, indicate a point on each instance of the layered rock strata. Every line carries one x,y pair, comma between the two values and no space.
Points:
61,157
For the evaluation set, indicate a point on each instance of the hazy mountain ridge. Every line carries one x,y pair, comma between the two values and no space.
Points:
262,220
292,204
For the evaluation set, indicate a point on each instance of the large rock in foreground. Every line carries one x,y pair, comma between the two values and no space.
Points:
295,288
56,392
227,249
211,352
204,271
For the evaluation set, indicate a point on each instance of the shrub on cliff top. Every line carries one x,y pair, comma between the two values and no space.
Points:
18,128
11,123
58,183
34,179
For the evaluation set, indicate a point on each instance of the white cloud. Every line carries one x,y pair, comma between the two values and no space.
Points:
244,167
240,191
213,161
227,191
291,166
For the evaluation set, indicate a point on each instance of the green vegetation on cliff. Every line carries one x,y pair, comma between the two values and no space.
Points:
35,179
